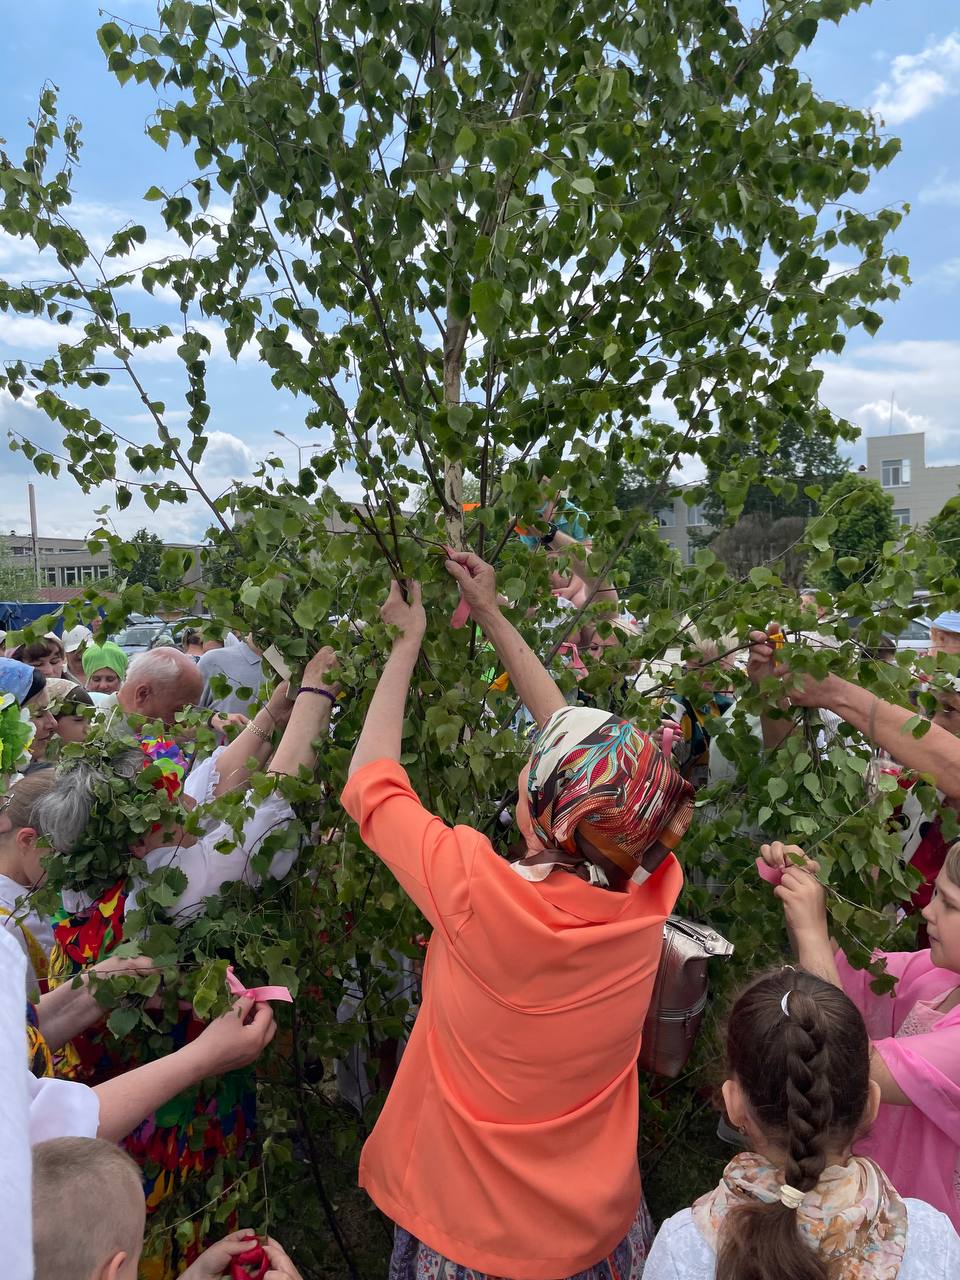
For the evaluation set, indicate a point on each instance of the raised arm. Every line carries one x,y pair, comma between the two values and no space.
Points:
253,742
592,588
535,686
804,907
310,717
382,733
937,753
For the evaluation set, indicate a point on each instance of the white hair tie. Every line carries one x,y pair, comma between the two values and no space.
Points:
783,1004
791,1197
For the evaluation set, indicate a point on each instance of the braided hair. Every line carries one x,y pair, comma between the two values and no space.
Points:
805,1075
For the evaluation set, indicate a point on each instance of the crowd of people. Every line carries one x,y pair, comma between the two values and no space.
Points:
507,1146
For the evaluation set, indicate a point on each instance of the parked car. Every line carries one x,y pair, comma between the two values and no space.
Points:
141,636
916,636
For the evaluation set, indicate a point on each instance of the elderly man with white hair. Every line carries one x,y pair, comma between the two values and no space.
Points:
157,685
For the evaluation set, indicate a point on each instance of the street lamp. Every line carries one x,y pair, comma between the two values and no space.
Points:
299,447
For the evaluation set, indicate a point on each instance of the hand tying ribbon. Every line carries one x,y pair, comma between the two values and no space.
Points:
259,994
254,1263
772,875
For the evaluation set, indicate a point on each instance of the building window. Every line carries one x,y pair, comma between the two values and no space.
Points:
49,577
666,517
695,517
101,571
895,473
71,575
902,517
19,551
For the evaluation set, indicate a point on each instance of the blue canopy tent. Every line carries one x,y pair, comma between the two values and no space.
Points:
14,615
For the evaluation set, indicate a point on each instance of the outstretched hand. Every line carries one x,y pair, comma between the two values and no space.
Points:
476,579
236,1038
800,891
318,671
799,690
408,615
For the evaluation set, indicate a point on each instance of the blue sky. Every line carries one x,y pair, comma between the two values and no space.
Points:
901,57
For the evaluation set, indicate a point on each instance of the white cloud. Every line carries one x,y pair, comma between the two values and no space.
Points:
883,414
942,190
917,81
924,377
227,457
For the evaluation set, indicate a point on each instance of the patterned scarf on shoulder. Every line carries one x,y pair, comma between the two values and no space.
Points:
853,1216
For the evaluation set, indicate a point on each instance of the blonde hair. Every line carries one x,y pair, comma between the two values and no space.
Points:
21,802
88,1206
951,863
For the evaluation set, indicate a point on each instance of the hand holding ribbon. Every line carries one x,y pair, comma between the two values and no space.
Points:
259,994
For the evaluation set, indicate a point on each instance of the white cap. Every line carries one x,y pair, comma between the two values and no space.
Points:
75,637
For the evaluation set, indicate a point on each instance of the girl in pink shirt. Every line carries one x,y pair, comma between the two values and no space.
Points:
507,1145
915,1030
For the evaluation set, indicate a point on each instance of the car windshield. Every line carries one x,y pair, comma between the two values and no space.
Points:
138,635
915,631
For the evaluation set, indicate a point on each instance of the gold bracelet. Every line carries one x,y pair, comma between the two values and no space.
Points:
255,729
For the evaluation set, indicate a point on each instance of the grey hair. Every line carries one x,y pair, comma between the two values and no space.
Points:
63,814
163,667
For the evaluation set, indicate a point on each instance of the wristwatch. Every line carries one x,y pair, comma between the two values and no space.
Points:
548,537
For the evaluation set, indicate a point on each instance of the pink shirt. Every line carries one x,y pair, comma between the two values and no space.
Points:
509,1140
918,1147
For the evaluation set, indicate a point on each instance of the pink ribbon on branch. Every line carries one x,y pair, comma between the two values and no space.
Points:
260,994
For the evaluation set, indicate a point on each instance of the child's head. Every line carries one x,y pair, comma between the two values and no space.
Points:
798,1066
942,914
88,1211
21,848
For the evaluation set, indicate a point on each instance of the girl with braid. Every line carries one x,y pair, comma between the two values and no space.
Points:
914,1030
797,1205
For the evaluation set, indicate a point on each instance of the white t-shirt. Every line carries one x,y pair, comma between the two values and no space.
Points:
16,916
932,1252
204,866
31,1111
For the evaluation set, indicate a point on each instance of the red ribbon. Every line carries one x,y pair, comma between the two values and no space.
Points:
252,1265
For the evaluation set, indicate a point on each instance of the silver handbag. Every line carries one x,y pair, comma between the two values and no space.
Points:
679,995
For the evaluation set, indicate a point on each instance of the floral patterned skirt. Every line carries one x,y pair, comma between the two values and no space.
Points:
413,1260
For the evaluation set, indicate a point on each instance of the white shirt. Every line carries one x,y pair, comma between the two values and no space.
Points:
14,899
205,868
31,1111
932,1251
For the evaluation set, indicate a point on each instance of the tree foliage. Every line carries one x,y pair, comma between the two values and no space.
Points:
17,581
482,239
759,539
944,531
146,567
786,467
857,515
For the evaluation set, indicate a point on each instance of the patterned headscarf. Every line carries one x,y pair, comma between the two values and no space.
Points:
602,797
108,654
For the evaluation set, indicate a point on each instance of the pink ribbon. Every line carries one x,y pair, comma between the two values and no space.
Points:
576,662
772,875
260,994
461,615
